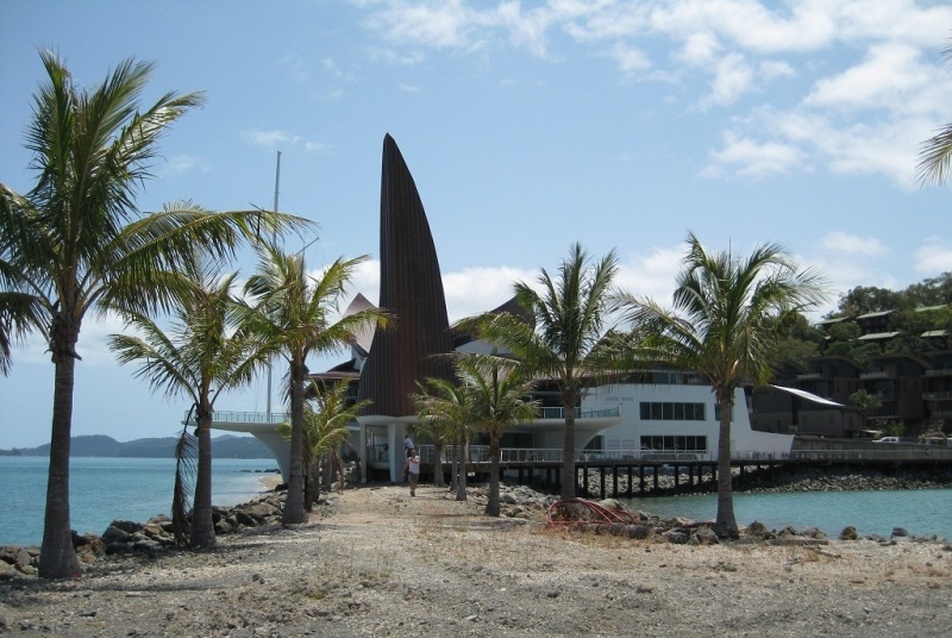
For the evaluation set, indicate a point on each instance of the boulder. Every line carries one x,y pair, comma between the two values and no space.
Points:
115,535
676,536
129,527
757,529
849,534
704,535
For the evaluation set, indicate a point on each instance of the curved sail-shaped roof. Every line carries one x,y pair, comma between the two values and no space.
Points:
411,288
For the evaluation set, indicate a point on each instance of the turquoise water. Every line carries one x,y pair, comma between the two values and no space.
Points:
107,489
920,512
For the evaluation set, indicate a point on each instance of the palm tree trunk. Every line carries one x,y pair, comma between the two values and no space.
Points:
57,556
312,486
725,525
454,464
203,525
463,458
438,463
492,504
294,504
568,449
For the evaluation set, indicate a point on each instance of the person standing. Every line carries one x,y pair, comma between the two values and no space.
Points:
412,470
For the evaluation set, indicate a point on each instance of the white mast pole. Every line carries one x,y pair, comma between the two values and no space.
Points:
277,182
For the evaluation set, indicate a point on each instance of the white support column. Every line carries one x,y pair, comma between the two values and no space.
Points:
362,451
394,448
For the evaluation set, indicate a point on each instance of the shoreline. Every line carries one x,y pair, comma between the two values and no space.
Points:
374,562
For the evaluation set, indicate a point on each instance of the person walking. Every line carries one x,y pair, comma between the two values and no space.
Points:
412,470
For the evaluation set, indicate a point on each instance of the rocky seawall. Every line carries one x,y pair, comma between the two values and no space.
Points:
149,538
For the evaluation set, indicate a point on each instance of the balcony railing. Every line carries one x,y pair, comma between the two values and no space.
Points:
247,417
559,413
518,456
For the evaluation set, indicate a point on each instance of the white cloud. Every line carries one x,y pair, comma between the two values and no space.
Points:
886,77
93,346
475,290
629,59
316,147
270,138
700,49
770,69
753,158
653,274
733,77
934,257
449,24
845,243
880,90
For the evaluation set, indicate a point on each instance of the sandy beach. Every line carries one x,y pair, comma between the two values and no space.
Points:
375,562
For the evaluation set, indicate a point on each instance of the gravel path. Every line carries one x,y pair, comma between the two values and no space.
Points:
379,563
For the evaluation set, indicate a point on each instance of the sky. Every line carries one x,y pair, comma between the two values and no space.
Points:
527,126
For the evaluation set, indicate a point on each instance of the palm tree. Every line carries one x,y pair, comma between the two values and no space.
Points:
442,401
865,404
292,315
325,431
498,394
724,324
76,242
935,154
435,427
565,344
200,357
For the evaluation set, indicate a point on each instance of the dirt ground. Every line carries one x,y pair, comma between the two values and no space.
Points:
379,563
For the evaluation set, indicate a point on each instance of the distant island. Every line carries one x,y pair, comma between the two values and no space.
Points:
227,446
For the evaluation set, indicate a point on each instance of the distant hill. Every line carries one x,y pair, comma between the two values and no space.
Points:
227,446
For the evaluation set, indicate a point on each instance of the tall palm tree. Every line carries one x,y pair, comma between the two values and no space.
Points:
294,315
444,401
724,324
325,431
565,344
498,393
935,154
76,242
200,357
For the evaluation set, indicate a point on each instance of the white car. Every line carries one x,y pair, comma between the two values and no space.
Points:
887,439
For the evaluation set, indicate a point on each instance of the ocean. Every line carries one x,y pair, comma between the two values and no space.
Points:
920,512
106,489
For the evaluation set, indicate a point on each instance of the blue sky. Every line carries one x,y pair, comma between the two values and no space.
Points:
527,126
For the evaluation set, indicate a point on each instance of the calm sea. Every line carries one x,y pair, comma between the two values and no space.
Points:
920,512
107,489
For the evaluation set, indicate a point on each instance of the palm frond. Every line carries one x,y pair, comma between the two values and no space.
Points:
186,460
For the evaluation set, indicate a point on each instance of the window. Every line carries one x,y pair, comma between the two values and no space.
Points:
671,411
674,443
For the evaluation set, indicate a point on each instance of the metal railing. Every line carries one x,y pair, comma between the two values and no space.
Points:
248,417
883,452
902,452
559,413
